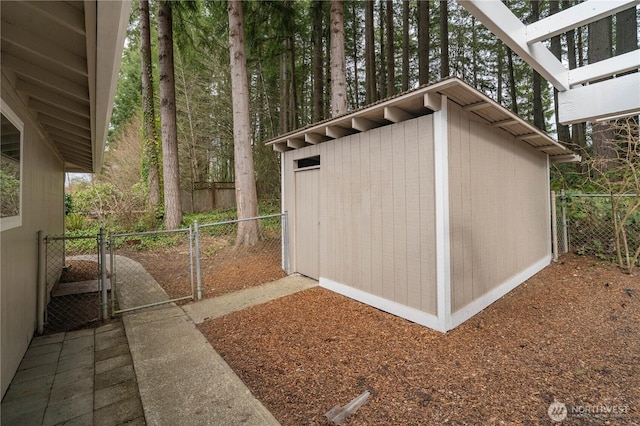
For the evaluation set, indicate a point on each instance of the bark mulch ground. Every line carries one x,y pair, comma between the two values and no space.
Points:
569,334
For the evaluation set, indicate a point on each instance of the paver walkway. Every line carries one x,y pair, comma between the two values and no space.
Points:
83,377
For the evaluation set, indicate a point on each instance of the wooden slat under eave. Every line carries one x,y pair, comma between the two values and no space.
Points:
337,132
315,138
296,143
281,147
396,114
362,124
504,123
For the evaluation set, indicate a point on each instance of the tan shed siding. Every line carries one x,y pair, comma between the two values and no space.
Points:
400,213
498,217
376,211
42,191
427,221
364,196
376,202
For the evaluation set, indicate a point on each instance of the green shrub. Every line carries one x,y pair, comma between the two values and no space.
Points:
74,222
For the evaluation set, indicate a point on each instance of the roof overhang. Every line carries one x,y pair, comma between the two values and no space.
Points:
422,101
63,58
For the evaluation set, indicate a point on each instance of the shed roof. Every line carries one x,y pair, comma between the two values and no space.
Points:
422,101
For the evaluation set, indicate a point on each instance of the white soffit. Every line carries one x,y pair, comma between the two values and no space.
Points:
614,99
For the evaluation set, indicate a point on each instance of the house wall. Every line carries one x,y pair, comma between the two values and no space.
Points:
499,212
377,215
42,209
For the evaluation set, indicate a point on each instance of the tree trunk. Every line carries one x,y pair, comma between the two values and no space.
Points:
149,141
370,53
382,75
512,82
284,94
444,39
626,31
599,48
293,91
171,168
246,195
556,49
354,57
338,69
474,51
423,42
391,74
317,61
538,113
577,130
405,45
500,66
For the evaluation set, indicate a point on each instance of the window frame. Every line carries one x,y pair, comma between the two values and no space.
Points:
11,222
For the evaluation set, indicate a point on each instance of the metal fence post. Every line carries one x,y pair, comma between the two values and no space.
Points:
112,268
565,230
42,281
196,230
285,242
191,234
554,226
103,273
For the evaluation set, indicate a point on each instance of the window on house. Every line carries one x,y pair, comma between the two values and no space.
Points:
308,162
10,170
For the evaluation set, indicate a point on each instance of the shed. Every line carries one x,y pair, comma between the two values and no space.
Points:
430,205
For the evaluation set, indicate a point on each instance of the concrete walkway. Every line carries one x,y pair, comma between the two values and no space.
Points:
206,309
182,379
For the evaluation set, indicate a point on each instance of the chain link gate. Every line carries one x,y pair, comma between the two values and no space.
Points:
134,255
75,295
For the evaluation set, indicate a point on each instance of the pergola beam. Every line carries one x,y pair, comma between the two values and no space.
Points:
605,68
574,17
497,17
614,97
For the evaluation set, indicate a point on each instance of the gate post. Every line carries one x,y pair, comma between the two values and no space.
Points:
565,230
196,230
285,243
103,273
42,281
554,226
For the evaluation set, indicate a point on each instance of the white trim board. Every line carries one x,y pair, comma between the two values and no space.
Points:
430,320
395,308
473,308
443,232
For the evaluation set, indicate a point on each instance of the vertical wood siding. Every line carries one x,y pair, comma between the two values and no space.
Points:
376,211
498,203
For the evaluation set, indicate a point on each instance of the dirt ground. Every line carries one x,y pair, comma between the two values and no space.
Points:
224,268
569,334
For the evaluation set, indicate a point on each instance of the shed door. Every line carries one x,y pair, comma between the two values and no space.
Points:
307,221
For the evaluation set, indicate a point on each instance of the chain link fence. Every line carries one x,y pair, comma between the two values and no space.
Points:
147,269
238,254
585,224
73,284
151,268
